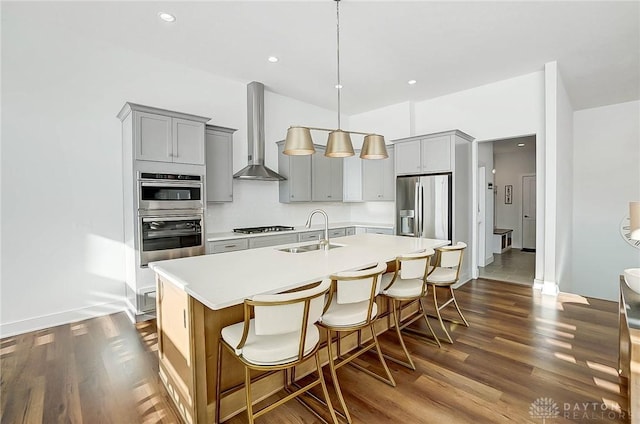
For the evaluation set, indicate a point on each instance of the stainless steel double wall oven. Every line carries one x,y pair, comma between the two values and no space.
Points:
170,216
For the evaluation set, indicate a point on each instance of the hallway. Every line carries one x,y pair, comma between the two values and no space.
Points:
514,266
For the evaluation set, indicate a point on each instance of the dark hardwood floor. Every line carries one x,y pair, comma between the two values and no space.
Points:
524,358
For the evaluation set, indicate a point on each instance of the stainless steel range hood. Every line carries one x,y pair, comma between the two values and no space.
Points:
255,138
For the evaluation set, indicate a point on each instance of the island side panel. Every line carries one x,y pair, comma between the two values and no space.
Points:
188,337
174,324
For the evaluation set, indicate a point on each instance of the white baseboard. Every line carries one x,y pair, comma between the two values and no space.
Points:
45,321
546,287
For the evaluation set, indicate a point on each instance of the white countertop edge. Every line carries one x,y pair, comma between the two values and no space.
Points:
302,229
177,281
202,293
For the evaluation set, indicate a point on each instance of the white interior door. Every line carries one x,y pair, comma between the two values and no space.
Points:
529,212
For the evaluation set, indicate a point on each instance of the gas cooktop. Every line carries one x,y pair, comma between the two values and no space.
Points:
252,230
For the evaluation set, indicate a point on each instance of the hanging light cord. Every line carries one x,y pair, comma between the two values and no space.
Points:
339,87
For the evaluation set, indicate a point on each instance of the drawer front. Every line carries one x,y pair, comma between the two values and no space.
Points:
265,241
337,232
373,230
228,245
351,231
310,236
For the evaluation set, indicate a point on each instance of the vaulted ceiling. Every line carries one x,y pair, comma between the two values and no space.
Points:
444,46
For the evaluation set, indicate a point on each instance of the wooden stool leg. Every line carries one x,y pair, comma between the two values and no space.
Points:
247,387
396,321
426,319
457,307
218,381
437,308
391,381
324,389
334,377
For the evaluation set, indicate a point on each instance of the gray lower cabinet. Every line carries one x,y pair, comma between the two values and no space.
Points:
337,232
311,235
351,231
374,230
326,181
219,161
297,171
221,246
264,241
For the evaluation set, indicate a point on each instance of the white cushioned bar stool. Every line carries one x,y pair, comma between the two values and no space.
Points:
281,335
408,284
446,273
351,307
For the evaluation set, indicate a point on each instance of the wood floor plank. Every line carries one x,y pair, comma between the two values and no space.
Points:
520,348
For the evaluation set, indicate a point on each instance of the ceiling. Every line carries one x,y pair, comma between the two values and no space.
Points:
445,46
515,145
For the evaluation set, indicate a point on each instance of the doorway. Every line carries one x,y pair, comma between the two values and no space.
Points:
510,193
529,213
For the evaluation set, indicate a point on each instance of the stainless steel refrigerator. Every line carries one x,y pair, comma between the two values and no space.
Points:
423,206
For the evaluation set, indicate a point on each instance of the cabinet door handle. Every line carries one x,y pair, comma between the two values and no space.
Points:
184,317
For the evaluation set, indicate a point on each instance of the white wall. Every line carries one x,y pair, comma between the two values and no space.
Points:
62,254
606,176
393,121
485,158
505,109
510,168
280,112
564,187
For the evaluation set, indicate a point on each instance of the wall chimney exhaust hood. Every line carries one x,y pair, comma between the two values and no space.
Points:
256,170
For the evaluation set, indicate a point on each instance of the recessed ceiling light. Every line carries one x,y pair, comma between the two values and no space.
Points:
338,86
273,59
167,17
411,82
520,144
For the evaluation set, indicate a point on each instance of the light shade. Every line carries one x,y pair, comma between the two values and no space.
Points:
298,142
634,220
374,147
339,145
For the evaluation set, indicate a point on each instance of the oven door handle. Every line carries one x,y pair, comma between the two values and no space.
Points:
171,218
173,184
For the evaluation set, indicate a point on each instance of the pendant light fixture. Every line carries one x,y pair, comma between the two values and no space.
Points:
299,141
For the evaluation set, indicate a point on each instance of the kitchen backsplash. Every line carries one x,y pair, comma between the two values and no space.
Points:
255,203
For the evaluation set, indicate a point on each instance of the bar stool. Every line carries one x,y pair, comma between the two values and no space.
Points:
351,307
282,335
446,273
408,283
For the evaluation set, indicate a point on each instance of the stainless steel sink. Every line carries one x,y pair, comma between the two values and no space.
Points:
307,248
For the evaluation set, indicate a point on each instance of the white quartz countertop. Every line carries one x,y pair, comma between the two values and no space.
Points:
229,235
226,279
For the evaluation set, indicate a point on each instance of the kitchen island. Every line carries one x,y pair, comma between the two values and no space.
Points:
198,296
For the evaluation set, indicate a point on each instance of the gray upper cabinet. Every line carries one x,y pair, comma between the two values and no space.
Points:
427,154
187,141
408,158
219,160
153,135
378,178
297,171
326,177
352,178
166,136
436,153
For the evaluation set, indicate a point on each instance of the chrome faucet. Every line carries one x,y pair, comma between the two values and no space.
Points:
324,243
